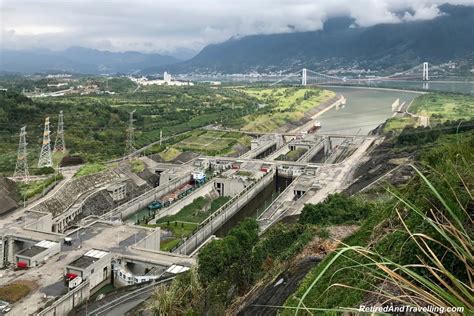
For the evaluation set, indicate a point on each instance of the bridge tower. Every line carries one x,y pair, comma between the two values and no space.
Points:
426,76
21,168
59,144
303,77
45,159
130,146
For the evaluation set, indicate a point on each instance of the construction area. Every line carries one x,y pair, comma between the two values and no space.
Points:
117,228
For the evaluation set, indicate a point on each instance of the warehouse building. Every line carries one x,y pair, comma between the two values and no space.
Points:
36,254
94,265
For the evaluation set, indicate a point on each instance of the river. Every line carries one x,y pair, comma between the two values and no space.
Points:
365,109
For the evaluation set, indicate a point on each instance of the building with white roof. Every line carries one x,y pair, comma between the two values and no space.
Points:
37,254
94,265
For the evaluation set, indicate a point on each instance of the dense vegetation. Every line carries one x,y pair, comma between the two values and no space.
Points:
283,105
33,188
391,231
440,108
230,266
95,126
337,209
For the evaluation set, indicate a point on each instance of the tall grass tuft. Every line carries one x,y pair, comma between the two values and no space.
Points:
444,252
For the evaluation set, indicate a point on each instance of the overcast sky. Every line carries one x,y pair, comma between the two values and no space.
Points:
170,25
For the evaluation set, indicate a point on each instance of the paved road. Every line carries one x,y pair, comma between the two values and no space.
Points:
123,303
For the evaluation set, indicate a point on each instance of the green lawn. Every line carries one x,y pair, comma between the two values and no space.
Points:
212,142
399,123
197,211
90,169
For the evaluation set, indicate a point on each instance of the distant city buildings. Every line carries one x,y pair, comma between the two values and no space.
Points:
167,80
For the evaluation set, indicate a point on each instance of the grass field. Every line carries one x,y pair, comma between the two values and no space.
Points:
197,211
399,123
438,107
212,142
16,290
90,169
444,106
283,105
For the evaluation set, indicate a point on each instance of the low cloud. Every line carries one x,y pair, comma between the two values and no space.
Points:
168,26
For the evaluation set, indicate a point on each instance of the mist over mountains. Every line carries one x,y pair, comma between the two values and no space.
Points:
342,44
339,45
80,60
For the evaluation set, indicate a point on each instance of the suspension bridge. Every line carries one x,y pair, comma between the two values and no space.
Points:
422,72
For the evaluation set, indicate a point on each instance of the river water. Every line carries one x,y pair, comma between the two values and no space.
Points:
365,109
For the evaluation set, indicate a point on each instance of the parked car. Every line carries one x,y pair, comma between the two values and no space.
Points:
5,307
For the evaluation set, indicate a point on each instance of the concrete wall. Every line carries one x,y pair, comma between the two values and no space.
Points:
223,214
43,224
229,186
146,198
3,251
150,242
65,304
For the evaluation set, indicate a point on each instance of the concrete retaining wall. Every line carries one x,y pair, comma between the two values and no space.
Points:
142,201
66,303
223,214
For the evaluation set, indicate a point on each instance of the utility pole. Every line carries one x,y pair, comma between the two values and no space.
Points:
130,146
59,144
161,136
21,168
45,159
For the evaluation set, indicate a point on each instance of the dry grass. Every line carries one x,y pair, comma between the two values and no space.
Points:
17,290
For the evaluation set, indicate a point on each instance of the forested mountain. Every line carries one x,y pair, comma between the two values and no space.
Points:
341,43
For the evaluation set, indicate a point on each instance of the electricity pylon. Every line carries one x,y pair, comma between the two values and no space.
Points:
59,144
130,146
45,159
21,168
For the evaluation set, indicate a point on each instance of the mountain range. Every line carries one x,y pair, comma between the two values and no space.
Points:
340,45
80,60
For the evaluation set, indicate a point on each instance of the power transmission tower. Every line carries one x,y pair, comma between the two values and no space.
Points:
45,159
21,168
130,146
59,144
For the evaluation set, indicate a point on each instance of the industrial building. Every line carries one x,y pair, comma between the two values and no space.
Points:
94,265
37,254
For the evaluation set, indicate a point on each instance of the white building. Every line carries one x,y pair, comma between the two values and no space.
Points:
167,80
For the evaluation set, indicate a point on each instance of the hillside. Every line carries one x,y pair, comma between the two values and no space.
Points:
339,44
